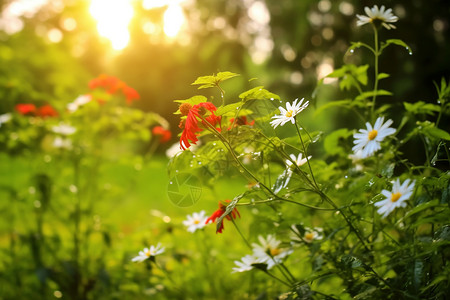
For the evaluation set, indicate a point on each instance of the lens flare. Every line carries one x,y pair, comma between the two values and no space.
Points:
113,18
173,20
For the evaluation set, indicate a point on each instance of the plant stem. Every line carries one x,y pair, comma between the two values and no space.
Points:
306,154
240,233
375,87
274,277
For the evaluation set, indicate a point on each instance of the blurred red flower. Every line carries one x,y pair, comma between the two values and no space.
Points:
26,108
164,134
240,121
46,111
191,128
219,212
113,85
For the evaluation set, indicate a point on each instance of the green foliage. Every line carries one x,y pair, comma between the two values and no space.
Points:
205,82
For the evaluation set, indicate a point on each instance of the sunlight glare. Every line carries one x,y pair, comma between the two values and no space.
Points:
113,18
173,20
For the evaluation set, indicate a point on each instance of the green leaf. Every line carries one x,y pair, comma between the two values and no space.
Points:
344,103
437,133
370,94
383,76
421,107
388,170
395,42
222,76
233,107
352,262
258,93
332,142
417,209
213,80
349,75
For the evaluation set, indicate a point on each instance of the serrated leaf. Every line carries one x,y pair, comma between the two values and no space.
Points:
351,262
213,80
258,93
228,108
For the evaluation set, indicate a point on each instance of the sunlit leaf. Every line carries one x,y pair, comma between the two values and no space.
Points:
213,80
258,93
228,108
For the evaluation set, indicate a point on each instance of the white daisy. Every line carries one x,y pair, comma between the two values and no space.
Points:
400,193
195,221
5,118
247,263
64,129
289,113
269,251
79,101
312,235
308,236
368,140
148,252
381,15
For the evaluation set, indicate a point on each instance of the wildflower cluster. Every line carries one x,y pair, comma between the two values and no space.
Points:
362,192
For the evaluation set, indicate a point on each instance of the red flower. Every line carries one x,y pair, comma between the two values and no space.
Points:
130,94
191,124
26,108
109,83
240,121
164,134
113,85
218,213
46,111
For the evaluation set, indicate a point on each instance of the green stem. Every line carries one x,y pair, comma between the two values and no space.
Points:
306,154
375,88
240,233
274,277
350,224
222,94
278,198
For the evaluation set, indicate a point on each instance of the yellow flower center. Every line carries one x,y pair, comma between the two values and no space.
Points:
395,196
289,113
309,236
274,252
148,253
196,221
373,134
